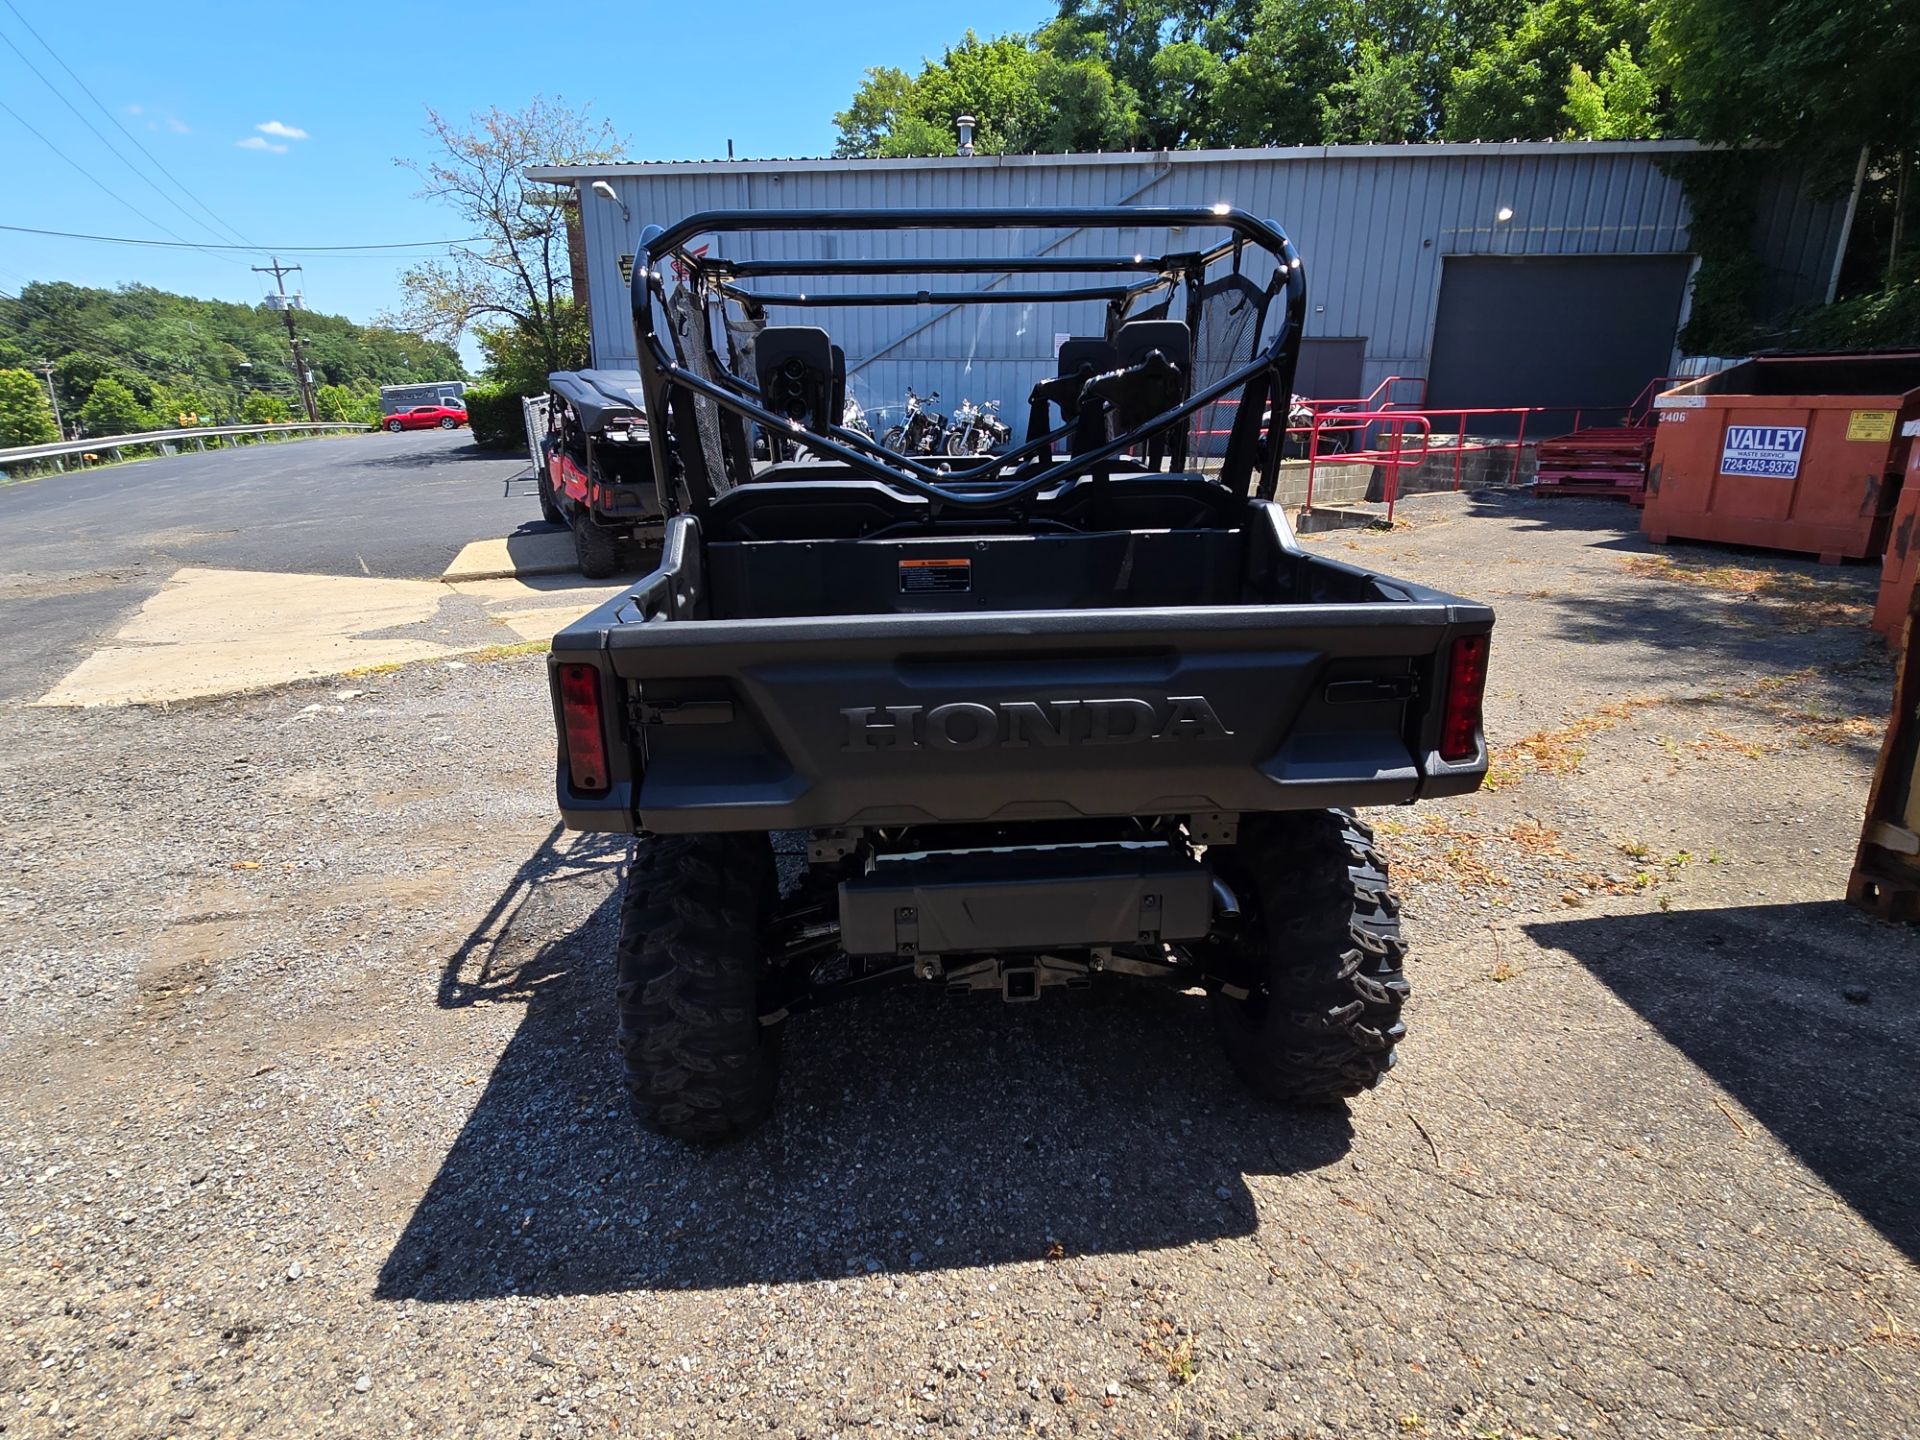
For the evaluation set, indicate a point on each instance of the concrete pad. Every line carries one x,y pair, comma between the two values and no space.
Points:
216,632
538,552
546,621
569,592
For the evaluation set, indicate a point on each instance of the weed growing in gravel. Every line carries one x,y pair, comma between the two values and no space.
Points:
1174,1354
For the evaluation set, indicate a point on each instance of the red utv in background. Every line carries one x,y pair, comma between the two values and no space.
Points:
424,417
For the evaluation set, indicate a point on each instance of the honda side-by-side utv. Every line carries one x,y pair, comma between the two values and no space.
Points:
1078,710
596,471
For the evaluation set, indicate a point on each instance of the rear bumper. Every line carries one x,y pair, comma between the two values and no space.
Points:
989,902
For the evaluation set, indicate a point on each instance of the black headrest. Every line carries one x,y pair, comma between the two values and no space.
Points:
1136,339
1083,352
793,365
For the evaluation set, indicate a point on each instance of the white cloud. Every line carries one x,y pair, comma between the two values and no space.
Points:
285,132
135,110
254,142
178,126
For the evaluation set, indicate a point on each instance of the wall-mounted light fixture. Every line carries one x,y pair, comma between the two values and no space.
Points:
607,192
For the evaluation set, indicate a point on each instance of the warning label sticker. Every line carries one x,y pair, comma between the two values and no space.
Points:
1763,450
1870,425
927,577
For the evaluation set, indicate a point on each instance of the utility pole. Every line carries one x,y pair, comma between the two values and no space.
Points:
46,369
286,307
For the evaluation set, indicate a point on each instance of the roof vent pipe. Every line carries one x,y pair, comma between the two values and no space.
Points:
965,123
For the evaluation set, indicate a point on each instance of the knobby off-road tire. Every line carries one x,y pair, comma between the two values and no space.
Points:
699,1064
596,551
550,510
1322,931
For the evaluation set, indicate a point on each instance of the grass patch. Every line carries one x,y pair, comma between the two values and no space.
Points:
510,652
491,653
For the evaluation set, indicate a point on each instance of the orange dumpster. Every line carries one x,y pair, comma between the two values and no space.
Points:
1791,452
1902,561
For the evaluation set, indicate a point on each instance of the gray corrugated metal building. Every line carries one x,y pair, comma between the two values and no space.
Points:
1537,274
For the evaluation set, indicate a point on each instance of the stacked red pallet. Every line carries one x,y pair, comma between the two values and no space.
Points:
1596,461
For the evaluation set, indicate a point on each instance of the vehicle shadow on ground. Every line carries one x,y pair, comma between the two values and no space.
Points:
436,456
1709,609
914,1132
1756,997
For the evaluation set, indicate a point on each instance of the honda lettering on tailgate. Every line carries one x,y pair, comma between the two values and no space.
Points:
1763,450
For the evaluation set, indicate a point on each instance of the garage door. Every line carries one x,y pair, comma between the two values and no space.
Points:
1587,330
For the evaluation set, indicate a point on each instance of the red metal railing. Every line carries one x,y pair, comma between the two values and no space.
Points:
1391,459
1361,418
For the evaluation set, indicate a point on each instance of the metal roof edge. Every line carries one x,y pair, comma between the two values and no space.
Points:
1482,150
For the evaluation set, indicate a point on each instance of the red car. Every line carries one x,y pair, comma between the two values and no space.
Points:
425,417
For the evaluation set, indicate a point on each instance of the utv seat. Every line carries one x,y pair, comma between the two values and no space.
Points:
1081,358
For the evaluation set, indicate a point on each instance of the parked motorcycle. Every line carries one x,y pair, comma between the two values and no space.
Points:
854,418
921,432
976,430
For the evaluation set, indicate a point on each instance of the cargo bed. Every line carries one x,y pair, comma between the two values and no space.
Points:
766,684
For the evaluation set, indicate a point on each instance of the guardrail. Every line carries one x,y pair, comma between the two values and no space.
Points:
114,444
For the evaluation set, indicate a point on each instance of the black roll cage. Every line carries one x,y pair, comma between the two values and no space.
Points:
993,482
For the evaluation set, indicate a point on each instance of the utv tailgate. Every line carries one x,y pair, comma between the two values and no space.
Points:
768,724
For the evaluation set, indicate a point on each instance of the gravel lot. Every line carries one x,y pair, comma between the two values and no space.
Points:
315,1130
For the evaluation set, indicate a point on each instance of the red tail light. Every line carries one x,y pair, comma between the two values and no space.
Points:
586,733
1466,688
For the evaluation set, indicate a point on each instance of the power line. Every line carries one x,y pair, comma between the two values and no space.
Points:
85,89
105,188
138,174
278,249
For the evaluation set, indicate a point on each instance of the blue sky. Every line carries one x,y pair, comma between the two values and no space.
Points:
284,122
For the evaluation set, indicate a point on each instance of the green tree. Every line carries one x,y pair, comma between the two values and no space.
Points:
334,402
1517,82
263,409
168,349
517,362
1618,105
112,410
26,415
1379,101
874,115
1823,81
1053,92
517,273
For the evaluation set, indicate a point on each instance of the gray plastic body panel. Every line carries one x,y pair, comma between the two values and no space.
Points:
1067,898
1003,716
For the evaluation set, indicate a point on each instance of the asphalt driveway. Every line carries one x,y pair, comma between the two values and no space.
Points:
80,552
315,1128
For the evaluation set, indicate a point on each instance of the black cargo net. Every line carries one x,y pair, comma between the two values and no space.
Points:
1225,330
695,347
